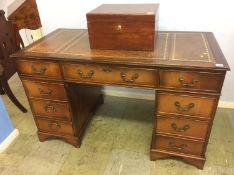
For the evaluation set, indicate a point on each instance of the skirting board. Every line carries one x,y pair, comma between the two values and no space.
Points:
128,94
222,104
226,104
9,140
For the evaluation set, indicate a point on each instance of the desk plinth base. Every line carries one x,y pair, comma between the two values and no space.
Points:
75,141
161,154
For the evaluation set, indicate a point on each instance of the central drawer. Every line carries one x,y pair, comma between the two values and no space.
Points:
186,104
110,74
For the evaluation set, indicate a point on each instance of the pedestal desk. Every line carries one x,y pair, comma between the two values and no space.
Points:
62,78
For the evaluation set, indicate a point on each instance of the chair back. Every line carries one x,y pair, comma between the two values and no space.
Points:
10,42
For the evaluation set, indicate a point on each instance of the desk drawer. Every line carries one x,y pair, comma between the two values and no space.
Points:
55,91
39,68
51,109
182,127
191,80
179,145
55,126
84,72
112,75
179,103
134,76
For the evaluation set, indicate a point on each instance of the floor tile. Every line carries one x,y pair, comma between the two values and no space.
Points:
127,163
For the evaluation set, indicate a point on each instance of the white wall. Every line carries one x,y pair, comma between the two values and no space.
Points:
4,4
216,16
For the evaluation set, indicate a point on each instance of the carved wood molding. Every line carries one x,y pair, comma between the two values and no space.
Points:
24,14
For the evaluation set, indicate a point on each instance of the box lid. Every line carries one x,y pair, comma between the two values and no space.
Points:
124,12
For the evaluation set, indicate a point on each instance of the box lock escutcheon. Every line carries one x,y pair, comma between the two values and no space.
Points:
119,27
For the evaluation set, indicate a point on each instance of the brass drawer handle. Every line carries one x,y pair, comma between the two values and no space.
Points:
54,125
119,27
107,69
41,71
175,147
132,80
183,129
42,92
184,108
187,85
88,76
49,108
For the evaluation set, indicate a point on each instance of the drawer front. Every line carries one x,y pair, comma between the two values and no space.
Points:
39,68
55,91
179,145
122,35
191,80
182,127
112,75
186,104
55,127
84,72
51,109
132,76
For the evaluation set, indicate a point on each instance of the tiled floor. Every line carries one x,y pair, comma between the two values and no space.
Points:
116,142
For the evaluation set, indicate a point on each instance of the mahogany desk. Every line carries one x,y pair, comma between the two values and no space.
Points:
62,78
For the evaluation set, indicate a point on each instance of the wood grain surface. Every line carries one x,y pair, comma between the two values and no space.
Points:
172,49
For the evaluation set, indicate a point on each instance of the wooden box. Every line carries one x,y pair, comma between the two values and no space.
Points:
123,26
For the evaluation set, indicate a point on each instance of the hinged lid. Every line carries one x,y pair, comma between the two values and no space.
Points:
123,12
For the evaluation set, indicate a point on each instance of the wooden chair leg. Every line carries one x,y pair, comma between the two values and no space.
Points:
9,93
2,92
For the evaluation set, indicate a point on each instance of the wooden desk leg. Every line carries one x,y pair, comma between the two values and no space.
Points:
156,154
195,161
69,139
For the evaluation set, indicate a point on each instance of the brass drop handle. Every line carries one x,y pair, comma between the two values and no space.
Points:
42,92
184,108
41,71
88,76
107,69
49,108
183,129
119,27
132,80
187,85
175,147
54,125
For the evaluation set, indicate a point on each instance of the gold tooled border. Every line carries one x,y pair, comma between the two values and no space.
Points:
205,45
165,46
35,49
